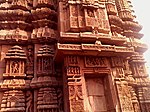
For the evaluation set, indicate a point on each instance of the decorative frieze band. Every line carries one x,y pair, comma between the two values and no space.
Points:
118,49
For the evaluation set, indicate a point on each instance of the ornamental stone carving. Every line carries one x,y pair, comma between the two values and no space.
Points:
71,56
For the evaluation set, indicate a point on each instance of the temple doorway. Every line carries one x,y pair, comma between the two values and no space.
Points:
97,93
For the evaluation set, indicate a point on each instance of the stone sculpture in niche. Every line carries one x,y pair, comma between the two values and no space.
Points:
15,67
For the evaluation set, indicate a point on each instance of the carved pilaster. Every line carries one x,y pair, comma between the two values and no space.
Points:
30,61
29,101
74,84
46,81
124,96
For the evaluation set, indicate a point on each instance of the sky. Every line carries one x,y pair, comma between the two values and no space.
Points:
142,8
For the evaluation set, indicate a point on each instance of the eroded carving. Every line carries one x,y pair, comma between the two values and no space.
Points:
117,62
76,99
29,103
124,96
95,62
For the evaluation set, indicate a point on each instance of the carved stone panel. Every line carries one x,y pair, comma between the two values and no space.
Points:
124,97
72,60
15,62
95,62
90,18
13,101
76,99
47,100
44,65
117,62
45,60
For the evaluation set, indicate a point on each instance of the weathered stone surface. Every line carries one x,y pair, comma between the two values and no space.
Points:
71,56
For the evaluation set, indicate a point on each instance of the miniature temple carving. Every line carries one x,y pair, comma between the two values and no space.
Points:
71,56
14,82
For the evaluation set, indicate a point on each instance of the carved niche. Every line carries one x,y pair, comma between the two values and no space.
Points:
84,17
76,21
13,99
45,60
97,18
139,69
15,62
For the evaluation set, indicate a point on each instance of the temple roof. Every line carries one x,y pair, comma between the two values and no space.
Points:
16,52
46,50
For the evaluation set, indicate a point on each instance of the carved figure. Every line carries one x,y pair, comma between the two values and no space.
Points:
30,55
90,13
46,64
15,67
29,99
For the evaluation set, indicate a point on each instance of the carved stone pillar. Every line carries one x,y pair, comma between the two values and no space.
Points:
45,82
74,84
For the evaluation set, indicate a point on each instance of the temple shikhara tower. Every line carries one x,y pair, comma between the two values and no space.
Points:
71,56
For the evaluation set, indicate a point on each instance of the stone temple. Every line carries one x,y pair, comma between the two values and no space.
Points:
71,56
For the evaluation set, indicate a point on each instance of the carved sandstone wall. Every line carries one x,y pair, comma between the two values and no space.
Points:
71,56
